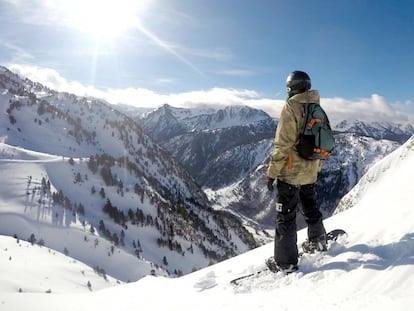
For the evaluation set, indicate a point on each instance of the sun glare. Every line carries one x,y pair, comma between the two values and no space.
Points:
108,19
103,18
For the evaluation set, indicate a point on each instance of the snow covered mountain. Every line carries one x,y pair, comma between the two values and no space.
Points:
377,130
218,147
370,270
83,178
168,121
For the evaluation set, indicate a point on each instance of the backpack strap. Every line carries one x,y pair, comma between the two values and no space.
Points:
322,152
305,116
312,122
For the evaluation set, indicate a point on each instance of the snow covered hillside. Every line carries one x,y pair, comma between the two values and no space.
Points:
27,268
372,269
29,210
82,178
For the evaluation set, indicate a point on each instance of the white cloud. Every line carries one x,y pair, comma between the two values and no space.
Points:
52,79
375,108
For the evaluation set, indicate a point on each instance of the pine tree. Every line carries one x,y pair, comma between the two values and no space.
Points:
102,193
32,239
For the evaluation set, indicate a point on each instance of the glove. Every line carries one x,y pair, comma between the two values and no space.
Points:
270,182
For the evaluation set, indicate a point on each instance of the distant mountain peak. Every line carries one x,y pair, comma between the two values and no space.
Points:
378,130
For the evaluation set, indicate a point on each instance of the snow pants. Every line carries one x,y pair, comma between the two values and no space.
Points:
289,197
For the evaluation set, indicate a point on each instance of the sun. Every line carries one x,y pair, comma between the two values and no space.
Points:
106,20
103,18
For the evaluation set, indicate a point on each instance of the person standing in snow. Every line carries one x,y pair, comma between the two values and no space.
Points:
296,178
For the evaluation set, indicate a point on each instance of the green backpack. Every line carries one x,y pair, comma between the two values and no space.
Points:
316,139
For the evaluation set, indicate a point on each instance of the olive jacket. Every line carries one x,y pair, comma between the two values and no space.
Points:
285,163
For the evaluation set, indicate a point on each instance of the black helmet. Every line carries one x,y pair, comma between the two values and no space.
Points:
297,82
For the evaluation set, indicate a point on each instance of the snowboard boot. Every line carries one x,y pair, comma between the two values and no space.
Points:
317,245
285,268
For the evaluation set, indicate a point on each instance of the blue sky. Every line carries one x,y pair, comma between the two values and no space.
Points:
172,49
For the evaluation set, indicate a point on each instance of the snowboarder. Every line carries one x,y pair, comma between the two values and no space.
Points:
296,178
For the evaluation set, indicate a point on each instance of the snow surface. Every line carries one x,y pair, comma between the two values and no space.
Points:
371,270
26,210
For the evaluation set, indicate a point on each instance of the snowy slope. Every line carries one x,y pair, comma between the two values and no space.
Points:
371,270
30,268
83,177
369,181
26,209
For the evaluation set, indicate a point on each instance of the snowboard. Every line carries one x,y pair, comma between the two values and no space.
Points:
331,236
